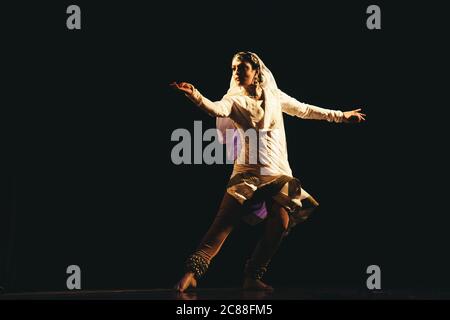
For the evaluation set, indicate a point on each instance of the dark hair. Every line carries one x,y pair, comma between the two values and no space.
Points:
247,56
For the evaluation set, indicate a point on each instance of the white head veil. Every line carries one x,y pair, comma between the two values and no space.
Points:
270,92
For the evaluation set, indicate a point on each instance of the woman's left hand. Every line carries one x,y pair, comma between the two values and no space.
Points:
354,116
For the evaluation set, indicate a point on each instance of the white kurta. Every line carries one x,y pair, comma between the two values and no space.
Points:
267,121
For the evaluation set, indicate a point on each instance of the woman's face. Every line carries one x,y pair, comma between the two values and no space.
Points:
243,72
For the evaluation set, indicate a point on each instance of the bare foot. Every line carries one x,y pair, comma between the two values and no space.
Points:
253,284
187,281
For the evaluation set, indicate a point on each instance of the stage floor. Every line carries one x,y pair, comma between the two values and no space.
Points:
229,294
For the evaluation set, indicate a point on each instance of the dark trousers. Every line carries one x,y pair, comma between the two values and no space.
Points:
228,217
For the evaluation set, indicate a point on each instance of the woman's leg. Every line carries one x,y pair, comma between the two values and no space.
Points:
276,226
228,216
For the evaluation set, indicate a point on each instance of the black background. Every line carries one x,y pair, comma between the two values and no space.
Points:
88,117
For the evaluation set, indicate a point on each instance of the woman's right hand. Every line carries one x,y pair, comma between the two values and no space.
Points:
184,87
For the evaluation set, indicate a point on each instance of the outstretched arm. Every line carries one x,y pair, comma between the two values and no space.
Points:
220,108
306,111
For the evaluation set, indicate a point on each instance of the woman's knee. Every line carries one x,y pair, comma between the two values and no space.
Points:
280,217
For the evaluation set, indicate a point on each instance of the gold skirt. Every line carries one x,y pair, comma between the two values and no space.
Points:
255,192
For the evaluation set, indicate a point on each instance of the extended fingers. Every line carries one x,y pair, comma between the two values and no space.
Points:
356,117
180,86
176,85
361,115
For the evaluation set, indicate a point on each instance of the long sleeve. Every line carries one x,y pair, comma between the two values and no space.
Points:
221,109
302,110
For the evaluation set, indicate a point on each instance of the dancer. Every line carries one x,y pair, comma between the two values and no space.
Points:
261,187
